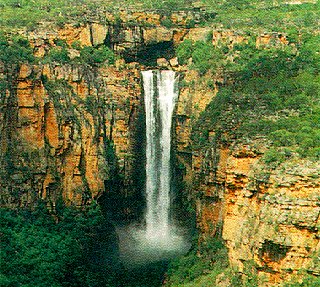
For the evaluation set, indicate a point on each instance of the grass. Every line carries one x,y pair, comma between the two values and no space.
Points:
25,13
239,14
267,15
208,280
28,13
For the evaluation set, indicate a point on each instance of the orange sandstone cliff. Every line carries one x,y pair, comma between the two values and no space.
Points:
74,129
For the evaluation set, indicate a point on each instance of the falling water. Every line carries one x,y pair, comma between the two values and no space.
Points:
160,98
160,240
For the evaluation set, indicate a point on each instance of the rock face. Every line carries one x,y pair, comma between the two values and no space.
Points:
77,132
74,131
274,221
267,216
74,128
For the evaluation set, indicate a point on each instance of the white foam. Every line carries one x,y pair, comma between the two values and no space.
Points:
138,248
160,98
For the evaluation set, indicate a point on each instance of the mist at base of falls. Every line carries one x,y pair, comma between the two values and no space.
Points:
146,260
137,248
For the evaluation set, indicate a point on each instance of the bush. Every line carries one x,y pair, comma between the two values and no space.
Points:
15,51
167,22
59,55
184,51
96,56
283,138
204,55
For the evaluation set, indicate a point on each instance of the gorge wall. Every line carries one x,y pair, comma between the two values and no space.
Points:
71,131
77,131
268,216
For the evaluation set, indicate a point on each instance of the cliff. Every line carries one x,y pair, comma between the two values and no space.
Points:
268,217
69,122
263,203
73,127
75,130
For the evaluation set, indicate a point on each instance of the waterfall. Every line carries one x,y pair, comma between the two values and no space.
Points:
160,239
160,98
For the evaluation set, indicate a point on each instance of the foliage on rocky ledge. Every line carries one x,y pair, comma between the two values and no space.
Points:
272,93
15,51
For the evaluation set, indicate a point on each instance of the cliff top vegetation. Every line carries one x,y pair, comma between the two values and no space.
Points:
239,14
273,93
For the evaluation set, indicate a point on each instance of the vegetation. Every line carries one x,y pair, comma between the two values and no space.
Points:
204,56
24,13
90,56
58,55
239,14
271,92
15,51
66,248
265,15
95,56
204,266
307,281
213,260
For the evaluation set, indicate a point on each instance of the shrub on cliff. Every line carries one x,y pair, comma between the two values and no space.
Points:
58,55
184,51
204,55
96,56
15,51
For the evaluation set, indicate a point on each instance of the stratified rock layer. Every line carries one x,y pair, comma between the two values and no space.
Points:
69,118
267,215
78,127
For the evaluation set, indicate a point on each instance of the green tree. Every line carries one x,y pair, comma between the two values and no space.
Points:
96,56
66,249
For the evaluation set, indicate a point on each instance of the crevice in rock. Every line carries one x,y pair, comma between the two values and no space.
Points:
271,251
148,54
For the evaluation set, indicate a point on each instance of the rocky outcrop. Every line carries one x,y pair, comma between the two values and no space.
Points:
267,215
125,30
272,216
74,131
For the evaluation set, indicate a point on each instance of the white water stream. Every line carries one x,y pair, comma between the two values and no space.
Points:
161,94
